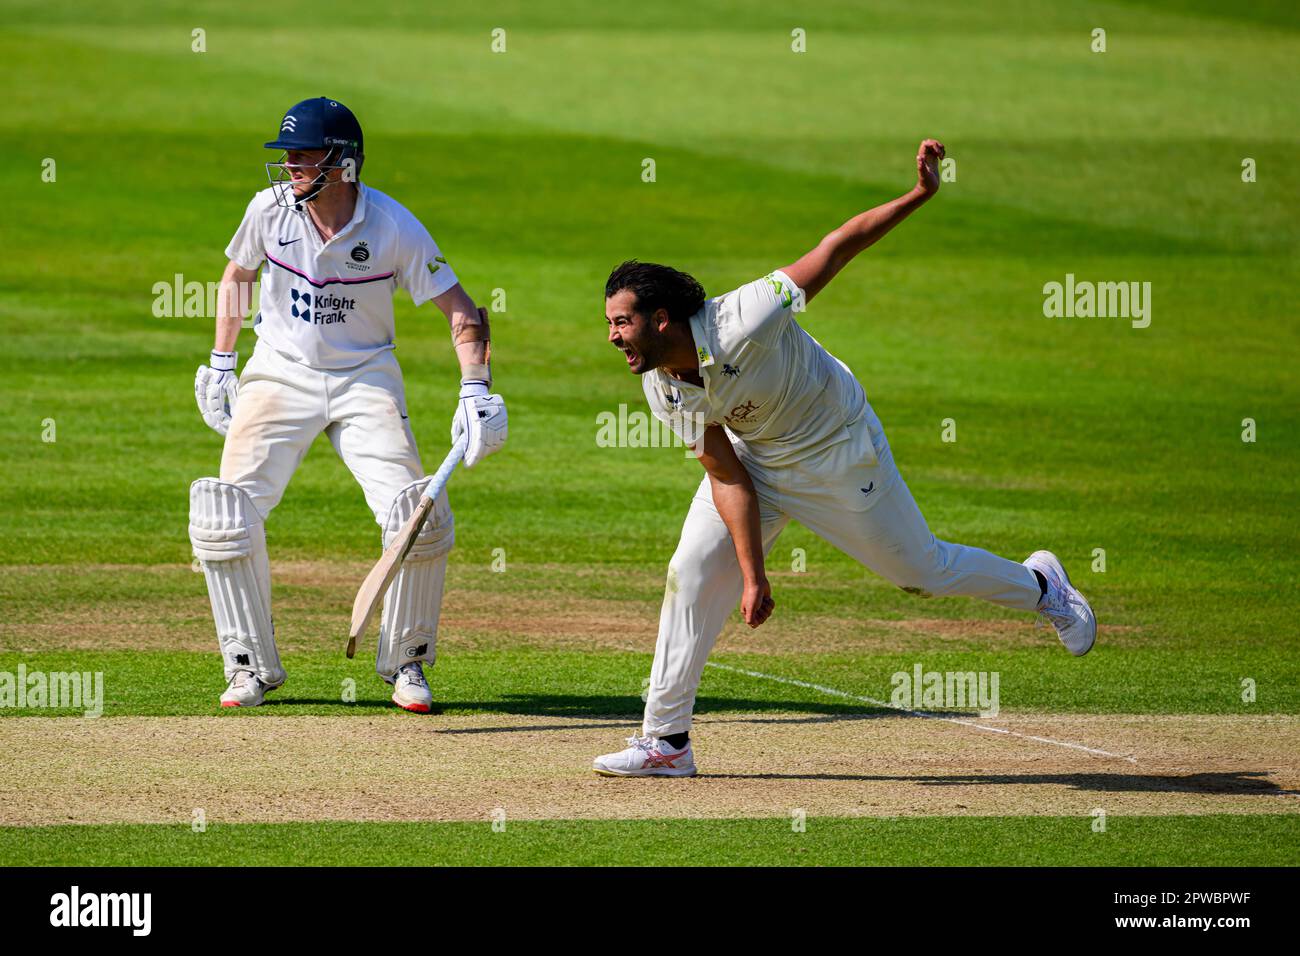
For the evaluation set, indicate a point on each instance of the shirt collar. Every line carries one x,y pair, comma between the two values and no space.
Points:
358,215
703,353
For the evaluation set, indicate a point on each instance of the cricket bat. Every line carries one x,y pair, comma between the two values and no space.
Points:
375,586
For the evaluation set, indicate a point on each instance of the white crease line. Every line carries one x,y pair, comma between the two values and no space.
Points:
919,713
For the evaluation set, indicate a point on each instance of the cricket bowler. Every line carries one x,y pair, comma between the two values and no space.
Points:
784,432
333,252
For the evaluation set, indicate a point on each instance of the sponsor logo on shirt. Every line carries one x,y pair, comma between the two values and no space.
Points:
743,413
781,291
321,309
730,370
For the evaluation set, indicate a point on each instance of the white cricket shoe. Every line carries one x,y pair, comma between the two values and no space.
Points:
410,689
1063,606
647,757
246,689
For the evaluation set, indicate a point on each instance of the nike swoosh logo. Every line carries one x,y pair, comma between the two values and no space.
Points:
870,487
290,242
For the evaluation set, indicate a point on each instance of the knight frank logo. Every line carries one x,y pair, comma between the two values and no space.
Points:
303,313
329,308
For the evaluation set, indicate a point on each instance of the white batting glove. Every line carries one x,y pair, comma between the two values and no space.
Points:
216,388
484,417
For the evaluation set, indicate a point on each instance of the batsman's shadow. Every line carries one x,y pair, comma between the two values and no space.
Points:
1228,782
609,708
343,706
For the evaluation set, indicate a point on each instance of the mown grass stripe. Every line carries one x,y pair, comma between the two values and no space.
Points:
1265,840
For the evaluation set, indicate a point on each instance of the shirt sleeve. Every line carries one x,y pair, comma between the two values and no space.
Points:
248,247
422,271
764,307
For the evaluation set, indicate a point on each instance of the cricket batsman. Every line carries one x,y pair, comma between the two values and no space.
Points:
334,251
784,432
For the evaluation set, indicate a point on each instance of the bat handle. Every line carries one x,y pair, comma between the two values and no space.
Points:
439,479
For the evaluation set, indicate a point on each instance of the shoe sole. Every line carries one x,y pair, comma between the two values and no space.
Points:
415,708
235,703
630,773
1048,558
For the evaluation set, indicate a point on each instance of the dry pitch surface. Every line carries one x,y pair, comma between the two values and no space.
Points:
403,767
397,766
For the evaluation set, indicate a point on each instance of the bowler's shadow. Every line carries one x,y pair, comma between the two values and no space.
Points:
601,711
1228,782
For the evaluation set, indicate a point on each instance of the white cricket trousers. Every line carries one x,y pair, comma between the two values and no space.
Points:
282,407
850,495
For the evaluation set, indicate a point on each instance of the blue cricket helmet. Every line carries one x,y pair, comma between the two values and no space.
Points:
320,123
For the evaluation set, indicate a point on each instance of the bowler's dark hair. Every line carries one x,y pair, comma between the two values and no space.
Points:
657,287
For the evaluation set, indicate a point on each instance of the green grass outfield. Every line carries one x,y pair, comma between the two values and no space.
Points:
577,683
1073,434
920,841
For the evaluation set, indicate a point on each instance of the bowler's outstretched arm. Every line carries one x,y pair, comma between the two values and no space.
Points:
817,267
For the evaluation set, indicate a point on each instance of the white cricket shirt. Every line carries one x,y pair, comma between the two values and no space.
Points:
780,396
330,304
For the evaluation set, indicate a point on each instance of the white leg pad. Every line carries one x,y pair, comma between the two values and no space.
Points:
229,540
408,628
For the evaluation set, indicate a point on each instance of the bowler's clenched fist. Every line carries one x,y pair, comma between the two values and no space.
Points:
927,165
